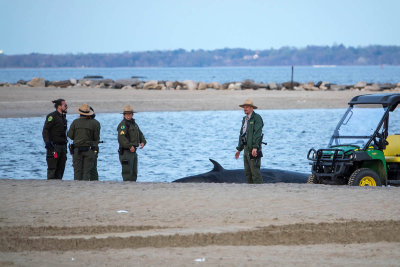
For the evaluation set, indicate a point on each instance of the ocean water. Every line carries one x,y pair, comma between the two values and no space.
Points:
337,74
179,144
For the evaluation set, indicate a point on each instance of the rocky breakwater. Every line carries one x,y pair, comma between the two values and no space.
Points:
137,84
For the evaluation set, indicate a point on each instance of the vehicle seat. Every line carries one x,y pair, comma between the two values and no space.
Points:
392,150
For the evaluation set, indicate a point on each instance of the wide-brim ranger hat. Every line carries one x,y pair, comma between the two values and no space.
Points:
248,102
85,110
128,109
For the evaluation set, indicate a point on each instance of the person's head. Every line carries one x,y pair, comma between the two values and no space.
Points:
60,105
85,111
128,112
248,106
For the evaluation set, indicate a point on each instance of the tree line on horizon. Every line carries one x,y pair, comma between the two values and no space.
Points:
310,55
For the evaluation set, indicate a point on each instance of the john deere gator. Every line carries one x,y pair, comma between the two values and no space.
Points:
364,149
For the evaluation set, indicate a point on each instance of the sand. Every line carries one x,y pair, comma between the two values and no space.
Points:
77,223
30,101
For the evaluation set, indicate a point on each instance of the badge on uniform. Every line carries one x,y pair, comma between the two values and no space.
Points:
50,118
122,132
123,127
252,122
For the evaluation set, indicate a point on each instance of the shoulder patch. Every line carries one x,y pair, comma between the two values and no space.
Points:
122,133
123,127
50,118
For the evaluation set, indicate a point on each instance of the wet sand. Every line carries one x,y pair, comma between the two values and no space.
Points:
53,223
109,223
30,101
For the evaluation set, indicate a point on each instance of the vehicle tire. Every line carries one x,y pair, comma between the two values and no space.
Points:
364,177
312,179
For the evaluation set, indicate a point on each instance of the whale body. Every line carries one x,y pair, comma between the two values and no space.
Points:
220,175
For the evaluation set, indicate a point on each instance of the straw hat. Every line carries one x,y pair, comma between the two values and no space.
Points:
128,109
85,110
248,102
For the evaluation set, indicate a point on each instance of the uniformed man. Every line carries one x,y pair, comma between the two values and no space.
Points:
129,138
55,139
94,175
85,133
250,141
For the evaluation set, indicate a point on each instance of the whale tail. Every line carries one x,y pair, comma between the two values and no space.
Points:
217,166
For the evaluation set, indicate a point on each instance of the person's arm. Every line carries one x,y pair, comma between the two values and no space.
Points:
258,125
240,145
123,139
71,131
142,140
48,124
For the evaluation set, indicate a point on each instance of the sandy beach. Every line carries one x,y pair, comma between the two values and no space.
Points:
35,101
77,223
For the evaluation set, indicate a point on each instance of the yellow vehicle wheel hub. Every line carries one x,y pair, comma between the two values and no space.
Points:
367,181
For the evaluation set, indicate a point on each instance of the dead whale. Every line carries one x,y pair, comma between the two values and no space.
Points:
219,175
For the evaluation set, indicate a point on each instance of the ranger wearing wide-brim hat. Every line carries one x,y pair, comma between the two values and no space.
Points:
130,137
85,132
250,139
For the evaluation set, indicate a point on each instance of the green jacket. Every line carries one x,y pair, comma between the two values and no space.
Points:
129,134
85,132
253,132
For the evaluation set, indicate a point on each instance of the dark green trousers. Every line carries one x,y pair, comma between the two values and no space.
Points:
252,168
83,164
129,162
94,175
56,166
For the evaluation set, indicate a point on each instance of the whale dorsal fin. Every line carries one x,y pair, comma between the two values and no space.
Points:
217,166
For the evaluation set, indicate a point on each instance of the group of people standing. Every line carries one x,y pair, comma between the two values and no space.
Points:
85,132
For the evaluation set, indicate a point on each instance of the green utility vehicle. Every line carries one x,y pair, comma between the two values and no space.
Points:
364,149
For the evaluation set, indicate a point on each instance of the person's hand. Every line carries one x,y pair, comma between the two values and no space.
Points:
237,154
141,145
254,152
132,149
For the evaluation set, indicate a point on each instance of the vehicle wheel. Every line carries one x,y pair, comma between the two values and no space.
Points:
312,179
364,177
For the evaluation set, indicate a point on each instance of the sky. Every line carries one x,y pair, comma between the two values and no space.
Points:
104,26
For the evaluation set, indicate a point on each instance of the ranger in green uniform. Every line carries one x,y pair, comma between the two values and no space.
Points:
86,135
250,141
129,138
55,139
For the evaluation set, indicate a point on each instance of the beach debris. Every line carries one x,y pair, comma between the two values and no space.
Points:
200,260
122,211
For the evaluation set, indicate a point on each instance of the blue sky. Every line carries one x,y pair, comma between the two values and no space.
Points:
100,26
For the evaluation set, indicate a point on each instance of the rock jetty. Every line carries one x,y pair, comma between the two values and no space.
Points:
138,84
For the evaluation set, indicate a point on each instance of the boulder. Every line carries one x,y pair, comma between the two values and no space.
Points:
360,85
124,82
127,87
272,86
169,84
337,87
201,86
386,86
372,87
310,86
152,84
72,81
190,85
61,84
249,84
235,86
36,82
22,82
288,85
